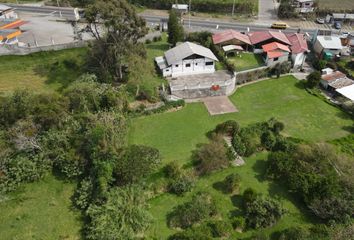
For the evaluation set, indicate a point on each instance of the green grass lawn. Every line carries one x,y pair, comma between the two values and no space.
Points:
245,61
176,135
40,210
40,71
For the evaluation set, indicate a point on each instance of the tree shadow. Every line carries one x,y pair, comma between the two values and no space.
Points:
300,84
220,186
348,129
259,168
344,115
157,46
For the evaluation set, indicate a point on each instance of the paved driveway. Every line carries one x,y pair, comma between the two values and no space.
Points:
219,105
267,11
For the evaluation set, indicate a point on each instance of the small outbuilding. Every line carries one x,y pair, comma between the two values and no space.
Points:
333,80
347,92
328,47
275,53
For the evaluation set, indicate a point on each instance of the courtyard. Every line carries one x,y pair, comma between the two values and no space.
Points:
246,61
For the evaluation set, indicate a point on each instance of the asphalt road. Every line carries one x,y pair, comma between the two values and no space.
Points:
68,13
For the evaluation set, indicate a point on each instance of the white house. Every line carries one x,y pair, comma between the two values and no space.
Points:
7,12
328,46
304,6
186,59
180,8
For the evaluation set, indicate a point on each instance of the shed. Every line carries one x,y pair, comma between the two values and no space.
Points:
347,92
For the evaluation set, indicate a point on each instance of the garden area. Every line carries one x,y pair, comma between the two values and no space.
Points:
246,61
177,134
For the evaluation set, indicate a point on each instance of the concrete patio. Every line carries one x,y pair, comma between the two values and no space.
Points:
219,105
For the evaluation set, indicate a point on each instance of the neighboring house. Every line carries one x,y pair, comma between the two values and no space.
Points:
9,36
328,47
7,12
258,39
11,23
186,59
342,18
232,37
347,92
180,8
304,6
299,49
275,53
333,80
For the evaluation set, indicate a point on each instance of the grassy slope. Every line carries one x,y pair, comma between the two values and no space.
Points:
40,210
305,116
32,71
176,135
246,61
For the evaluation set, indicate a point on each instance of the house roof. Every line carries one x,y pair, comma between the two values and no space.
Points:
275,54
298,43
4,7
11,23
9,33
330,42
232,47
275,46
187,49
180,6
341,82
333,76
230,35
261,36
347,92
343,16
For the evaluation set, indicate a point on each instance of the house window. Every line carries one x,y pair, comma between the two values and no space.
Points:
167,70
188,65
209,63
176,65
276,59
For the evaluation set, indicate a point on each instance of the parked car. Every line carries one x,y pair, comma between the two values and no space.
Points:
337,25
320,20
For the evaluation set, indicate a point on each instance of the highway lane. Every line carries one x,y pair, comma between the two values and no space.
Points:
212,24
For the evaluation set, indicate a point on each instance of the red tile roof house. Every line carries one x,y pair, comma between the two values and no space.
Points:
299,49
275,53
333,80
232,37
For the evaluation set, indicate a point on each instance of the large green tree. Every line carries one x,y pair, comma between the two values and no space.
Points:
116,28
175,29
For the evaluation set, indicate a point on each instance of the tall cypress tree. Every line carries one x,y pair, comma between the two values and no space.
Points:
175,29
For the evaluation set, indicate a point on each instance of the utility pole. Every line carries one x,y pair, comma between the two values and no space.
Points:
59,9
233,8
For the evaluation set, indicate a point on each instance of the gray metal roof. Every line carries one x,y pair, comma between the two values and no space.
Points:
184,50
4,7
330,42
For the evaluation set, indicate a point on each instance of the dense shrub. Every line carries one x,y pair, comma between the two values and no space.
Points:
238,145
201,232
319,64
238,223
229,127
200,208
211,156
268,140
172,170
135,163
313,79
262,212
232,183
181,184
83,194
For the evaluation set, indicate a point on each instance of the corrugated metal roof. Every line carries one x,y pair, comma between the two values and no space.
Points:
184,50
298,43
4,7
347,92
270,47
330,42
261,36
232,47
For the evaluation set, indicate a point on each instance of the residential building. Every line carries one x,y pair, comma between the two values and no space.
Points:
232,37
347,92
180,8
186,59
332,80
299,49
7,12
328,47
343,18
258,39
304,6
275,53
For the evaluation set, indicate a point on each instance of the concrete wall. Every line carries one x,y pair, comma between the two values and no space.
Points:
271,62
298,59
189,92
16,50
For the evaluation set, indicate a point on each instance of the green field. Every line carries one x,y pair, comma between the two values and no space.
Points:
40,210
45,71
245,61
334,5
177,134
